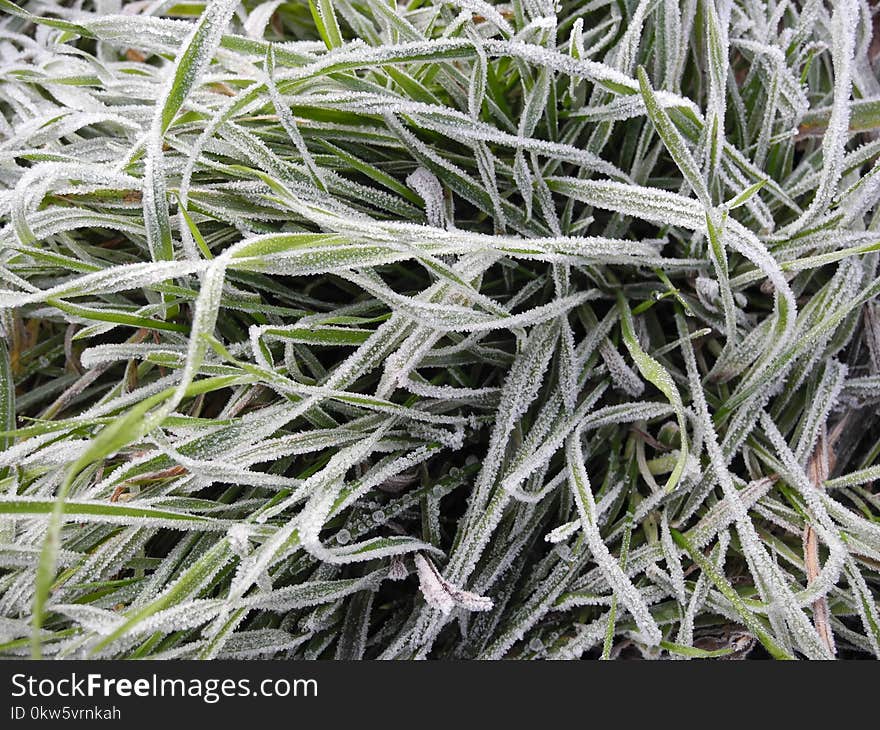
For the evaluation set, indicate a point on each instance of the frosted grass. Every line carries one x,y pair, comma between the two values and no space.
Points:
444,330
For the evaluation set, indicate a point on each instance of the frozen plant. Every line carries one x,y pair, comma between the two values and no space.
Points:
439,329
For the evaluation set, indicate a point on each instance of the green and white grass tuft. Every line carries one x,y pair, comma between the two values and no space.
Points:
439,328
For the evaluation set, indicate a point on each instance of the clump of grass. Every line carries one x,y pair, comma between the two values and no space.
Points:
439,329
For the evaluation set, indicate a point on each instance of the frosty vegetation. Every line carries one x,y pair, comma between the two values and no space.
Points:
439,329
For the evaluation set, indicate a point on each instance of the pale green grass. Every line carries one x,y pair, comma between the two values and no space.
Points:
439,329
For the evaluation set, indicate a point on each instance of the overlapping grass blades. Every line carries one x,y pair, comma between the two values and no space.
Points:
439,329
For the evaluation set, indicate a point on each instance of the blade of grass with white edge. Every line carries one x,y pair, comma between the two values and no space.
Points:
723,585
656,374
623,588
673,140
7,401
131,427
188,68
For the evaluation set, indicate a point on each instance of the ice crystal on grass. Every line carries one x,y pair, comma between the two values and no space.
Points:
322,332
441,594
